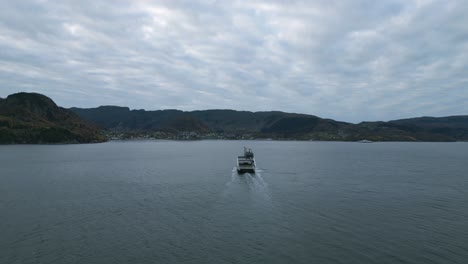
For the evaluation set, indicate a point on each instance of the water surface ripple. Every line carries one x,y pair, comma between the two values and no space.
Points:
183,202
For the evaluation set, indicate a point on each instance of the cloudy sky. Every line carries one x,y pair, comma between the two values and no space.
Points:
349,60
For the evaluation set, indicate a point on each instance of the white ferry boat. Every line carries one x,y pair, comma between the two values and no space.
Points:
246,163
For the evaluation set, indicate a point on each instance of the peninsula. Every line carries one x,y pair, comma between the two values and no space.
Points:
31,118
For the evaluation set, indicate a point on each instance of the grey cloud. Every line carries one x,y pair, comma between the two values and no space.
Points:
347,60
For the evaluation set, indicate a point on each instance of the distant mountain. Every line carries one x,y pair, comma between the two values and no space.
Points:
274,124
452,126
270,124
35,118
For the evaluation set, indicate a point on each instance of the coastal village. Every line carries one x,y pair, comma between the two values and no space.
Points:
158,135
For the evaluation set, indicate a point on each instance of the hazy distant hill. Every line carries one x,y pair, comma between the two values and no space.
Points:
451,126
35,118
276,124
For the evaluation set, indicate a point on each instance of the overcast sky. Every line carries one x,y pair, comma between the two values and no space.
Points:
350,60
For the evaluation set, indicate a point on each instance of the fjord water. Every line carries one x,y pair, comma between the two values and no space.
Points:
183,202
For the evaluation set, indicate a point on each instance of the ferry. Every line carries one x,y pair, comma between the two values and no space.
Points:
246,163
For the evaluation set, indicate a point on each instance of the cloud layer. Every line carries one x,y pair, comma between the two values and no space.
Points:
349,60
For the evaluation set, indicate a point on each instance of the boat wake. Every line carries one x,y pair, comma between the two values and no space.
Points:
253,181
230,185
257,185
233,177
258,181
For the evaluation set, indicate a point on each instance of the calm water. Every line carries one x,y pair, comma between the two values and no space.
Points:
183,202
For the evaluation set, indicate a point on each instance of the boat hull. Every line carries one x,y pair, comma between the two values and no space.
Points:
245,170
245,165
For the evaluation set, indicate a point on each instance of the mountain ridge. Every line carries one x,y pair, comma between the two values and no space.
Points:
35,118
277,124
